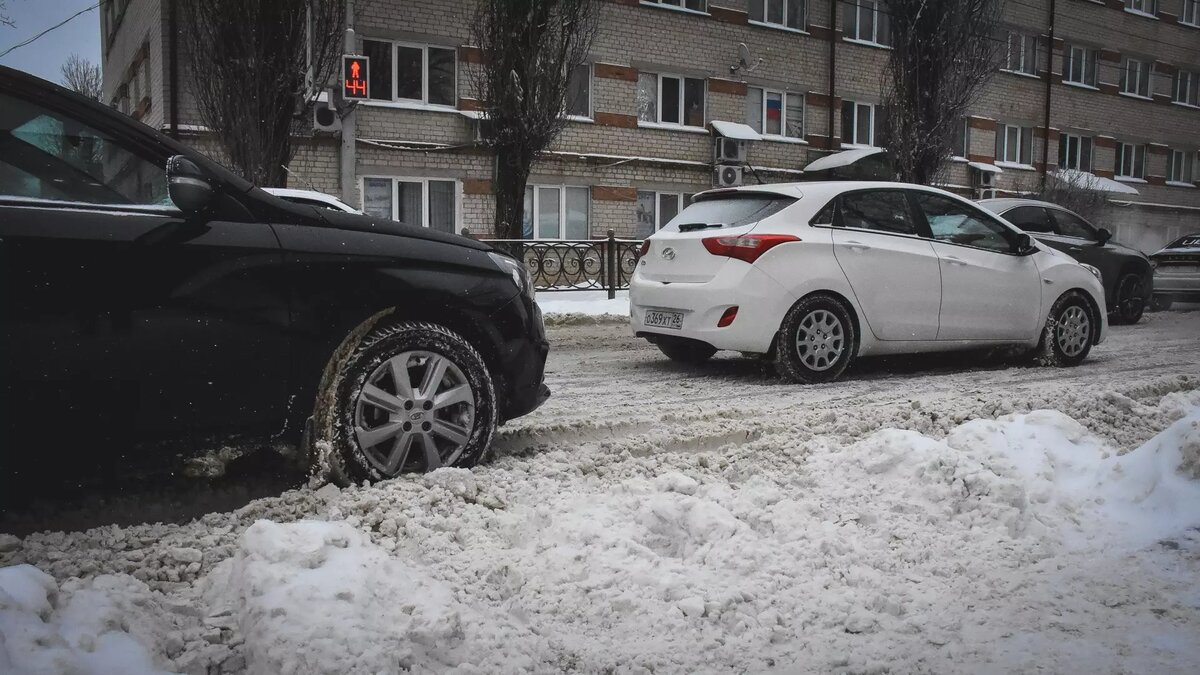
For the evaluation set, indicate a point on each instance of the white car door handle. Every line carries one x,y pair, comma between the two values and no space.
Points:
858,246
954,261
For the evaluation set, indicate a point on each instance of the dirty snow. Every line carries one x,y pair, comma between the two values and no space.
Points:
927,515
566,307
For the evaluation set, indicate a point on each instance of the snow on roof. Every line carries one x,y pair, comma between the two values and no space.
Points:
988,168
844,158
1090,181
735,130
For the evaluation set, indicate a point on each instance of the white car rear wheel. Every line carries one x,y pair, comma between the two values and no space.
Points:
817,340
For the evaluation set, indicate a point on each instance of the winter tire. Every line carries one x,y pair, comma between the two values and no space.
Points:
411,397
817,341
1131,300
1067,337
686,351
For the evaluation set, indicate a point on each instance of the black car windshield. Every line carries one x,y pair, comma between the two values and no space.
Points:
728,211
1190,241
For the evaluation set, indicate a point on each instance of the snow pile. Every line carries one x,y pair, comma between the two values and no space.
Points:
573,307
103,625
320,597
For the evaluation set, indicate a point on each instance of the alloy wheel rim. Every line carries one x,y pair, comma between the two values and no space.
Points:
820,340
1073,330
1131,296
416,408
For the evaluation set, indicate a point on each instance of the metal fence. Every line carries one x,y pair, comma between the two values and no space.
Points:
581,265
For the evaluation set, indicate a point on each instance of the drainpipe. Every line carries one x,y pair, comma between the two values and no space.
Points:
347,155
832,68
1049,87
173,76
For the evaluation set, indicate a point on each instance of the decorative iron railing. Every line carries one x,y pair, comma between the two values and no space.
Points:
581,265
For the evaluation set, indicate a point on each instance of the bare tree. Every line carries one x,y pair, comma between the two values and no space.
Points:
529,47
251,74
943,52
4,19
83,77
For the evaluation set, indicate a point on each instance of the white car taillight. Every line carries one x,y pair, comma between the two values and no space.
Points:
748,247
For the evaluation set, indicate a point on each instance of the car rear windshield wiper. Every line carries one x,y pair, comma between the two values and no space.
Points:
692,227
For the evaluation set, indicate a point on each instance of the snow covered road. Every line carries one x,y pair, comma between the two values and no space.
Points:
929,515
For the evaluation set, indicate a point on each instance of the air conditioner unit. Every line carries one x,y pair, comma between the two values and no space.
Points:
325,117
727,175
984,179
729,151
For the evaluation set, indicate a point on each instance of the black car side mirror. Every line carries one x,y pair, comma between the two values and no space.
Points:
1025,245
1102,236
189,187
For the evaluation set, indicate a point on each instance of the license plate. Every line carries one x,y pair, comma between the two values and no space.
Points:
672,320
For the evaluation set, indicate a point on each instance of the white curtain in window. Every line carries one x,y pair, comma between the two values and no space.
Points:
377,197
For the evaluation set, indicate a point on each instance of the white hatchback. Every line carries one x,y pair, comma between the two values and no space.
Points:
816,274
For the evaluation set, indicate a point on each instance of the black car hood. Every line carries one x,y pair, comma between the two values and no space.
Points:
352,221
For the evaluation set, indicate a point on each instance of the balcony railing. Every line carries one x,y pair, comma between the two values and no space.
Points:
580,265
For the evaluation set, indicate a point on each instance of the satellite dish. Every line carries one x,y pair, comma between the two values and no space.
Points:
745,59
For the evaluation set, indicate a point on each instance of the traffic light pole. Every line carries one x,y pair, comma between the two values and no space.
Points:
347,155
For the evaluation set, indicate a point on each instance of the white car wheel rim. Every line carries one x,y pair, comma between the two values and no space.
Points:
820,340
1073,330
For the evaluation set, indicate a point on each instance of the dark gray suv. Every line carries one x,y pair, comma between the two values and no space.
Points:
1126,272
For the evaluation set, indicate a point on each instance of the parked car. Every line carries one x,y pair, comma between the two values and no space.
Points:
1177,272
1128,276
817,274
319,200
155,305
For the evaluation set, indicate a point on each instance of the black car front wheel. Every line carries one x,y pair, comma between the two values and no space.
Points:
411,397
1130,301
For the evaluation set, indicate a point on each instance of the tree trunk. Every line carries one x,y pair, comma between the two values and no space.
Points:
512,175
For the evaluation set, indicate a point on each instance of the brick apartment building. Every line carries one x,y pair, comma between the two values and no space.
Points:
1114,93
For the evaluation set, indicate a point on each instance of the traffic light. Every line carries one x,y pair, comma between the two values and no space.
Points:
356,83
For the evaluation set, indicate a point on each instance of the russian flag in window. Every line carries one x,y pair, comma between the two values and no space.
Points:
774,109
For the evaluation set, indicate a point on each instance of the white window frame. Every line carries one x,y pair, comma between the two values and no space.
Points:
677,5
424,100
1064,139
783,112
1021,68
1186,86
1181,177
1190,13
877,7
1089,65
965,124
590,108
658,106
562,210
424,181
1002,138
1142,7
1141,68
780,25
854,127
1125,151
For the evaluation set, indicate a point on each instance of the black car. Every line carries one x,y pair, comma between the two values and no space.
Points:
154,306
1126,272
1177,272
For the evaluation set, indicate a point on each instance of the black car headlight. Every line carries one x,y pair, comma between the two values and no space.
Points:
516,270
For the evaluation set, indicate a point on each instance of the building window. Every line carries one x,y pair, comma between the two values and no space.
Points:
1181,166
775,113
1075,152
862,123
1135,77
867,21
1022,53
961,142
785,13
1131,161
556,212
1014,144
693,5
656,209
670,99
579,92
1080,66
1147,7
1187,88
421,202
411,72
1191,12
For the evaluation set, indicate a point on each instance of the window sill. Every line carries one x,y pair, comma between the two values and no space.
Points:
1016,165
858,146
579,118
1138,97
866,43
410,105
672,8
783,139
1176,183
1080,85
960,159
1145,15
1130,179
1189,24
777,26
672,127
1186,105
1019,73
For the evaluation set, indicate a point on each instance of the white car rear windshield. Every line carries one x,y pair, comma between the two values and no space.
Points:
728,211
